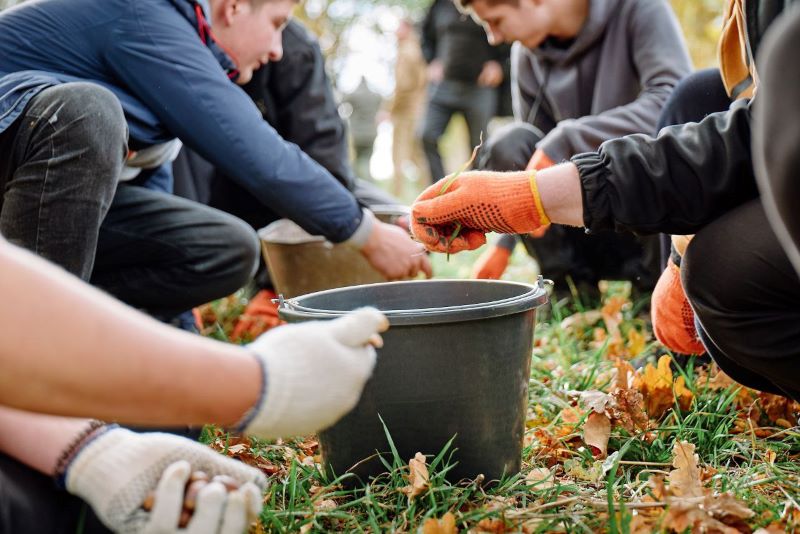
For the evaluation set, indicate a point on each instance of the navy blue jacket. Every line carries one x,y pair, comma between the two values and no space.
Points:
170,83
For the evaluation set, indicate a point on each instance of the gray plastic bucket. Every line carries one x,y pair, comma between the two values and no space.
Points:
455,362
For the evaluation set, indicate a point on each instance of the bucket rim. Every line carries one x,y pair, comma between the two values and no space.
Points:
534,296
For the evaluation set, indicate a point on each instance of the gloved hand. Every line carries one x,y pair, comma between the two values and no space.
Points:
539,161
314,372
259,315
115,471
671,314
480,202
492,263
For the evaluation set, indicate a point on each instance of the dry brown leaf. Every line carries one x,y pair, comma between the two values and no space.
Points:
772,528
626,374
682,394
445,525
685,479
418,478
540,478
778,408
595,400
714,513
498,526
626,409
596,432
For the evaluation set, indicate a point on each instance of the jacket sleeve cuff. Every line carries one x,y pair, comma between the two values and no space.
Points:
362,233
595,189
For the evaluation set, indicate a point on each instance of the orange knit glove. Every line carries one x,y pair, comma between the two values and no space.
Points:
539,161
259,315
492,263
474,204
672,316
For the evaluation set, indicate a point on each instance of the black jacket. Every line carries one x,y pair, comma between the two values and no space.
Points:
294,96
458,42
683,179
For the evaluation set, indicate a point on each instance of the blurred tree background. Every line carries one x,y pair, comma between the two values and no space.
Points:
338,22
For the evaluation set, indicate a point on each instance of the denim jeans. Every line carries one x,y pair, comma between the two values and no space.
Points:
59,164
165,254
59,171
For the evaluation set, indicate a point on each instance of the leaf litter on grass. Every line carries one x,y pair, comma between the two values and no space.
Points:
658,448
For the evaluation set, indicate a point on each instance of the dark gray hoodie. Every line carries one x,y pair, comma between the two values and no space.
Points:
610,81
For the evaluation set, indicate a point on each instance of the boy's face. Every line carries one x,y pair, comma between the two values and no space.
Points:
528,22
252,36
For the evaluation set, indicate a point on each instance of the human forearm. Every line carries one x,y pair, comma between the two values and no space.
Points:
151,373
675,183
37,440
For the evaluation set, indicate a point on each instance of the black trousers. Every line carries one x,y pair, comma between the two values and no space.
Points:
565,251
745,295
31,504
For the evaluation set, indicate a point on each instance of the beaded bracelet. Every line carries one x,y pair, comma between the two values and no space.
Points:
92,430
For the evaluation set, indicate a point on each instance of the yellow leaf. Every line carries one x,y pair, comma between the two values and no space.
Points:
682,394
596,432
418,477
685,480
636,342
445,525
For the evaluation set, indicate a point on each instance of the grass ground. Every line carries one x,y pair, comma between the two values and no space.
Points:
619,438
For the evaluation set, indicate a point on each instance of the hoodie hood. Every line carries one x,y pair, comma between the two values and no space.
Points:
552,51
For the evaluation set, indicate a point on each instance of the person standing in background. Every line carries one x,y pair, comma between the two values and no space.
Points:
405,106
464,72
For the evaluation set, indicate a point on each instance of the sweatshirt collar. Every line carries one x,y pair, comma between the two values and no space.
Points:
600,12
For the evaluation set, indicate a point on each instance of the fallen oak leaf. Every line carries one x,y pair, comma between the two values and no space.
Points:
418,478
596,432
686,479
445,525
540,478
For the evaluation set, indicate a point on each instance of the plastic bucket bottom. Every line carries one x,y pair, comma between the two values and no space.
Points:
455,365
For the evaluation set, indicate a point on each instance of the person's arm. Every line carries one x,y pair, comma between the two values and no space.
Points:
95,357
114,470
166,66
676,183
428,37
305,109
660,57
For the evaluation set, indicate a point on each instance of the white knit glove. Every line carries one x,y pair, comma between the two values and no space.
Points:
115,471
314,373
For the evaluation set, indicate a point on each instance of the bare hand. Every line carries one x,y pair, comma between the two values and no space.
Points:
435,71
394,254
491,75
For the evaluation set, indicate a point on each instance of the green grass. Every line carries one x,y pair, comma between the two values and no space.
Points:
755,462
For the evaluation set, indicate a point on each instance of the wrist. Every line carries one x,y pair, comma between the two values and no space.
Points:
363,233
93,430
250,415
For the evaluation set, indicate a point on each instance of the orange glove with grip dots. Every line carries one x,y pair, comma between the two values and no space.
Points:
672,316
492,263
539,161
476,203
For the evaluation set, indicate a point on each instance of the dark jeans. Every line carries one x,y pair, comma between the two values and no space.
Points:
59,173
166,254
697,95
197,179
477,104
744,292
565,251
59,164
31,504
